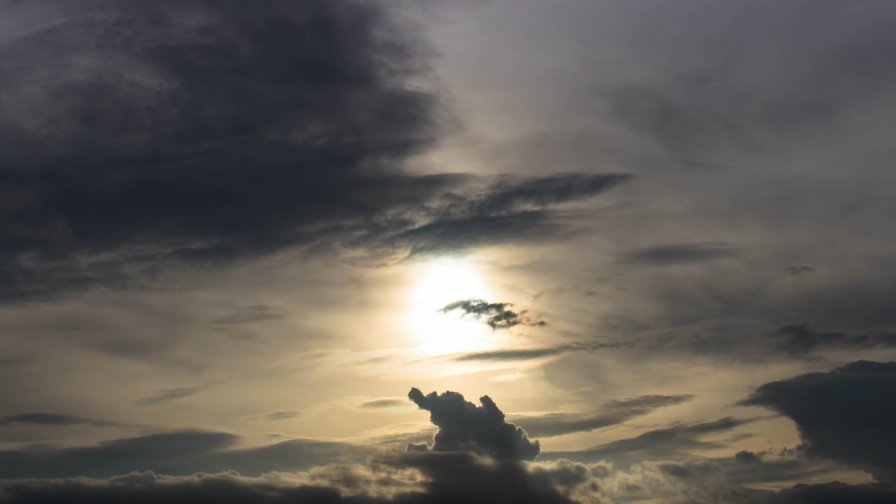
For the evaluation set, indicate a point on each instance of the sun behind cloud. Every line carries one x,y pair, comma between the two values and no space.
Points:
437,284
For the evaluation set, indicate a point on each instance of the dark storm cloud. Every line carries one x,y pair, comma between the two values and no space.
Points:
847,414
170,453
463,426
134,134
611,413
680,253
167,395
496,315
56,419
803,339
674,441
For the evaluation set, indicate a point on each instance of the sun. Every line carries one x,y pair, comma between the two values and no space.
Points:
437,284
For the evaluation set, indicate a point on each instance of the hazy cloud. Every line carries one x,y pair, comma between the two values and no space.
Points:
803,339
52,419
384,402
611,413
534,353
676,441
166,395
680,253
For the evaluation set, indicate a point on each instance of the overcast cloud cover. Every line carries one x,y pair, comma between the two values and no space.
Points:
508,251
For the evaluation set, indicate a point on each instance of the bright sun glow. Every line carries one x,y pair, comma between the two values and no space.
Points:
438,284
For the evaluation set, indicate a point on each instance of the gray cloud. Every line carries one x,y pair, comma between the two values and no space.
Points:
680,253
803,339
846,414
673,442
799,271
447,477
251,314
534,353
463,426
56,419
496,315
384,402
166,395
184,452
611,413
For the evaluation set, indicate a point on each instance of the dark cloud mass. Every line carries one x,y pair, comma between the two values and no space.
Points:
137,133
463,426
496,315
846,414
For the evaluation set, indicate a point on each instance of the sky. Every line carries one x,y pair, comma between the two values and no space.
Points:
433,251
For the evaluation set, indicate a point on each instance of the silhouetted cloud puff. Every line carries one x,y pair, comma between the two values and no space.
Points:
847,414
680,253
611,413
463,426
496,315
803,339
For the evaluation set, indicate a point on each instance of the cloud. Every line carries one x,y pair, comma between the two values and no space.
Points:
135,136
513,209
799,271
846,414
281,415
496,315
416,478
533,353
680,253
611,413
384,402
834,492
56,419
463,426
183,452
803,339
166,395
669,442
251,314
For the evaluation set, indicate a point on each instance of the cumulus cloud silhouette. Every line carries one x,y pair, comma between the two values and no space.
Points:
463,426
